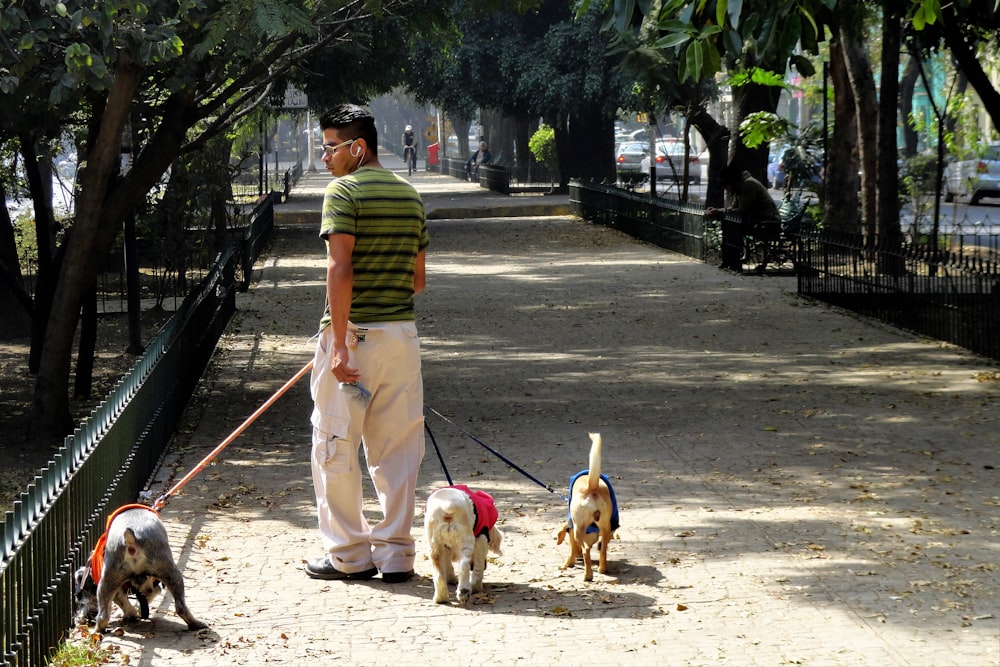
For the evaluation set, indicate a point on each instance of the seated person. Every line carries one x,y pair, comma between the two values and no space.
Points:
480,157
756,209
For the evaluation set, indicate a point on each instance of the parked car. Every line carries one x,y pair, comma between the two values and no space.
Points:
628,156
800,165
976,178
775,170
670,162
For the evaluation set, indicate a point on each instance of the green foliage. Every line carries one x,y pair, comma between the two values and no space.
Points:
918,186
926,12
761,127
543,146
88,652
25,239
742,33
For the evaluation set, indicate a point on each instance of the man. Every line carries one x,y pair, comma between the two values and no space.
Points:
366,382
409,141
752,202
480,157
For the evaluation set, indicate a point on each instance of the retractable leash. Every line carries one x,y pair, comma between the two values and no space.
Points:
491,451
161,501
437,449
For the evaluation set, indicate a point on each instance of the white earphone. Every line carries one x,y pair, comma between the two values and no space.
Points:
356,150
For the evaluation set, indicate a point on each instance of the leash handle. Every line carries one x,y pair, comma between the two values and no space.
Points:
161,501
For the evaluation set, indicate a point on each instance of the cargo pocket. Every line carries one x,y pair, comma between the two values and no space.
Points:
332,453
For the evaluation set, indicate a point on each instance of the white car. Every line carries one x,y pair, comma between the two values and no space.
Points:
976,178
670,162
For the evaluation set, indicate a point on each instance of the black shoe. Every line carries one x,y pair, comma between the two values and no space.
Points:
322,568
397,577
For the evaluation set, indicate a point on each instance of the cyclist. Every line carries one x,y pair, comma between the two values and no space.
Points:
409,142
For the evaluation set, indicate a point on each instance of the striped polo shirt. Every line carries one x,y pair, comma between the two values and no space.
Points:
385,215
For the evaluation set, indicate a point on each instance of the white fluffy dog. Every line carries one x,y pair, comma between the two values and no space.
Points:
461,528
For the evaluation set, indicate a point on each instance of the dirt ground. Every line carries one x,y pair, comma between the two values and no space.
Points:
21,459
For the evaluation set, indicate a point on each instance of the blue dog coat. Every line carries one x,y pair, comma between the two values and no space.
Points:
592,528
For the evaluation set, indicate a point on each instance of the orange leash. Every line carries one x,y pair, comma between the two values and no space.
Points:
161,501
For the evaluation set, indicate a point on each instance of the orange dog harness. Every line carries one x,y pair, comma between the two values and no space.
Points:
97,558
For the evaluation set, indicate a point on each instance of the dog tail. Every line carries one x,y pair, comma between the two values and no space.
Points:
594,473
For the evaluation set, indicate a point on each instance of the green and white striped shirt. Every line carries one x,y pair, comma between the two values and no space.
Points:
385,215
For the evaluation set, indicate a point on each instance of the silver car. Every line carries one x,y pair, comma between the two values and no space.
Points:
975,178
628,155
670,162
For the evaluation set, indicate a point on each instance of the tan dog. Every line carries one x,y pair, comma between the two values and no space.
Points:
461,528
593,514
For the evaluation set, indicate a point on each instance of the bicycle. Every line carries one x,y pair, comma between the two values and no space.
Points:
410,158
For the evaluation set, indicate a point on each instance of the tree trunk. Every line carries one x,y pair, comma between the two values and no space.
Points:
575,144
964,49
522,154
841,182
859,71
749,99
15,302
40,184
888,123
888,229
907,86
716,138
461,127
84,382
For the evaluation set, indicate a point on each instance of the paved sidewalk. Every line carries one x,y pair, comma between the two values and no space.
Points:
797,485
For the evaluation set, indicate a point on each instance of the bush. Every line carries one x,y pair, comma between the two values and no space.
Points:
543,146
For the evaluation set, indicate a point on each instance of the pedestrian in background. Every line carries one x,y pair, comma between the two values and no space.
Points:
480,157
752,202
366,381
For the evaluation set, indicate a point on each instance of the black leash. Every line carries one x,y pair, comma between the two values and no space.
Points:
491,451
438,450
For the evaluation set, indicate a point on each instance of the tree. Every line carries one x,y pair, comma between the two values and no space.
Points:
187,70
966,27
755,40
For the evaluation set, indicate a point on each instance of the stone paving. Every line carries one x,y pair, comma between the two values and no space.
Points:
798,485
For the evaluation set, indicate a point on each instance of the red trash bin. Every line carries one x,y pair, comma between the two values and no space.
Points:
432,154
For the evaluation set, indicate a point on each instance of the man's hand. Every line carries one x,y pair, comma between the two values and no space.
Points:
340,365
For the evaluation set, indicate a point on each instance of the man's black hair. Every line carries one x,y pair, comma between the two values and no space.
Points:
352,122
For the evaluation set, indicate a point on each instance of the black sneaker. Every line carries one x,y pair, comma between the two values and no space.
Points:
397,577
322,568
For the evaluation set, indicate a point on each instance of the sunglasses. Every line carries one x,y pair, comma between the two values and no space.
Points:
330,149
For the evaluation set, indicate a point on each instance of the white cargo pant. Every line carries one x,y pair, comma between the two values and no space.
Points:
391,429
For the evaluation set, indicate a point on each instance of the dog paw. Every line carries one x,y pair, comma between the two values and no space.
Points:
441,600
463,596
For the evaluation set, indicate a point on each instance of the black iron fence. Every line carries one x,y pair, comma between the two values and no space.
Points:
948,293
669,224
108,460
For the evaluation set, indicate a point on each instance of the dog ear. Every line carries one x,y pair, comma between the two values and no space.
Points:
82,578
